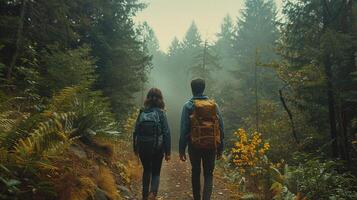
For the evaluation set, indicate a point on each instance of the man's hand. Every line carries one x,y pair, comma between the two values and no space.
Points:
183,157
167,157
219,156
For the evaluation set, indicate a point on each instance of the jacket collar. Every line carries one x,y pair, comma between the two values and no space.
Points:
199,96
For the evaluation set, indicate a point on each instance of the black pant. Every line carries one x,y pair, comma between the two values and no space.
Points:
207,158
152,167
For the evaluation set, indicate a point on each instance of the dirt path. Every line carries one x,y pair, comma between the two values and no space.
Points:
176,183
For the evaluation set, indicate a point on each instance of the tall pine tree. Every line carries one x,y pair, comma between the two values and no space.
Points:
254,44
225,50
319,45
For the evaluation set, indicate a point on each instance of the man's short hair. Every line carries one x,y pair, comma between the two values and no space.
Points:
198,86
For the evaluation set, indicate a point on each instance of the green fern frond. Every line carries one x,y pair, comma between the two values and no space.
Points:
9,120
65,100
45,165
47,136
57,149
21,130
93,115
6,124
4,153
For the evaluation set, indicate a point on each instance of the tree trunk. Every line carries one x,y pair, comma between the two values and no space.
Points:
282,99
345,116
327,63
331,106
256,90
345,143
18,40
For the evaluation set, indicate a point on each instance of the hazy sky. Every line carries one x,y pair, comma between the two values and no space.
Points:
170,18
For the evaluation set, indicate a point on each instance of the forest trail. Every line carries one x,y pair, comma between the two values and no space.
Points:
176,182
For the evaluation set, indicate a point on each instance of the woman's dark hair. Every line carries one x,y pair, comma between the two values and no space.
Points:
198,86
154,98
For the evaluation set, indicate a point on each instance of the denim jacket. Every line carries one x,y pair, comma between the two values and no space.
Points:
164,128
185,125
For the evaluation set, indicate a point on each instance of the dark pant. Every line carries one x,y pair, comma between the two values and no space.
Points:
207,158
151,175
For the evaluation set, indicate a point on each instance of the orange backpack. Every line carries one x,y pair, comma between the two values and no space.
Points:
205,129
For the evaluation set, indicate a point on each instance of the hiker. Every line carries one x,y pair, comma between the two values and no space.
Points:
202,131
152,141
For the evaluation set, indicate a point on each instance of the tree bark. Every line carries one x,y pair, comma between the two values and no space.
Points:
329,85
345,143
331,106
18,40
344,113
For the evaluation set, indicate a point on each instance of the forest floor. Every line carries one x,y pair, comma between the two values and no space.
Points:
176,182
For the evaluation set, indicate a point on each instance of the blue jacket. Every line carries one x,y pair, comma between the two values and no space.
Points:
185,124
164,128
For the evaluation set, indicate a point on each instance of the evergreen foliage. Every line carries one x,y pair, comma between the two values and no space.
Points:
321,59
71,70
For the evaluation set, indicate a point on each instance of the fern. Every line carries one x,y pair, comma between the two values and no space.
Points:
29,143
19,131
73,113
8,120
92,110
48,135
3,155
65,100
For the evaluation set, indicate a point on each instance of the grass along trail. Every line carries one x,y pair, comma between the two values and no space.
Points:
176,182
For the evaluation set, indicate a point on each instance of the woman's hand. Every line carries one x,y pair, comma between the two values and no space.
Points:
167,157
137,157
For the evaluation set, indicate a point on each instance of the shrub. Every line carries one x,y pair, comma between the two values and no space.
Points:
30,144
249,158
311,178
318,179
248,153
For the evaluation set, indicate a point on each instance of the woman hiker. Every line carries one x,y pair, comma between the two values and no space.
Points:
152,141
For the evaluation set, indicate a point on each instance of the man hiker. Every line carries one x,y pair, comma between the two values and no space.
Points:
202,131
